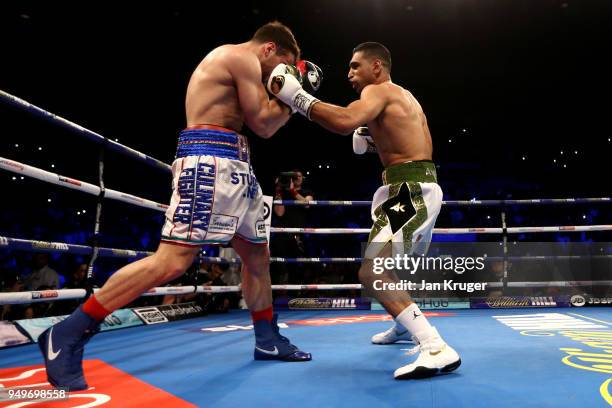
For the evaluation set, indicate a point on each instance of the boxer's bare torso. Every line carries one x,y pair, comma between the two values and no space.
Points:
226,87
400,130
212,97
394,117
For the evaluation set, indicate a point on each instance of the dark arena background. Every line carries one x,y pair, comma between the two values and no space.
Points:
516,95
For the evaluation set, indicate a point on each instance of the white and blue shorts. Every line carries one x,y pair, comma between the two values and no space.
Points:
215,194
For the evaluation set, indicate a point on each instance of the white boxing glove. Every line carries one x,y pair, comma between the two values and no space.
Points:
284,84
362,141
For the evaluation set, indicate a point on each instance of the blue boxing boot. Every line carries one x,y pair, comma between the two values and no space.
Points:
271,345
62,347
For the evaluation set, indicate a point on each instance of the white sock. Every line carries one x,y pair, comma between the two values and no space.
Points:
413,320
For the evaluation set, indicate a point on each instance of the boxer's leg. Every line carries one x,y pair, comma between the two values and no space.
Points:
388,218
62,344
167,263
257,292
394,301
256,285
250,243
435,355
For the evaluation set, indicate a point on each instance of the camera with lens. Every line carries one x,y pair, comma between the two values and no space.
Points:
284,179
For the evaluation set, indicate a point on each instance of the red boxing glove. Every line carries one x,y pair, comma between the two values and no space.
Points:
311,75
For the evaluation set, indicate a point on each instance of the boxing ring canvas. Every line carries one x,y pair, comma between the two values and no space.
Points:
541,358
536,356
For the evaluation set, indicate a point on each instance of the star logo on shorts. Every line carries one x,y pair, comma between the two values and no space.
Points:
398,207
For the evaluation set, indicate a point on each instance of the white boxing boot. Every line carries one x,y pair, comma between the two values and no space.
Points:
393,335
435,357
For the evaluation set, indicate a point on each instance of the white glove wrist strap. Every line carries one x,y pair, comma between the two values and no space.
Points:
303,102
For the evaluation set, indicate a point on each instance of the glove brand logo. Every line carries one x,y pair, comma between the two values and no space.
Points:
314,79
300,102
398,207
277,84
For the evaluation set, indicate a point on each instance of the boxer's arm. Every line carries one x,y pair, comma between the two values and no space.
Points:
344,120
262,115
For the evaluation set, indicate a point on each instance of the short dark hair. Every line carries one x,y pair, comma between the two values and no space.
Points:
279,34
373,49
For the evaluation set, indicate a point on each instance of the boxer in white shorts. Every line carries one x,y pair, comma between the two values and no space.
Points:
215,194
215,199
405,208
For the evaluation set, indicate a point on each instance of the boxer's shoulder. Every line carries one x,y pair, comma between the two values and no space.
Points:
238,61
376,92
233,55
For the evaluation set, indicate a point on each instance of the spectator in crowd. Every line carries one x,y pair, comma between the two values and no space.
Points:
195,274
289,186
232,275
12,283
42,275
219,302
78,279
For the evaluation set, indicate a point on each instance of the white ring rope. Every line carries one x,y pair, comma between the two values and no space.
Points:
367,230
46,246
445,231
57,179
54,178
93,136
560,284
362,203
15,298
98,138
